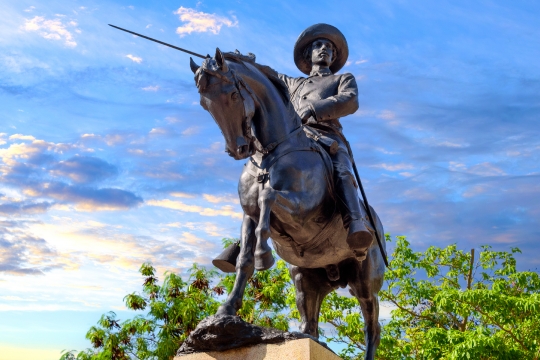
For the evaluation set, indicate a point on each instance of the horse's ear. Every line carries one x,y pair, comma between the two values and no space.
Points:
220,60
194,67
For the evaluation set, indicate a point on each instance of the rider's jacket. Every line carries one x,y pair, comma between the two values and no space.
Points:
329,96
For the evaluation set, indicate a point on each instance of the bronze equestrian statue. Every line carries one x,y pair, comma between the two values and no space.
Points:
298,186
287,189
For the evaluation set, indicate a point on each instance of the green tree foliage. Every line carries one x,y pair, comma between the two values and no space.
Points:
174,308
448,304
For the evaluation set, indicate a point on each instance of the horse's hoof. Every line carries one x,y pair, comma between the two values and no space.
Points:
360,238
264,261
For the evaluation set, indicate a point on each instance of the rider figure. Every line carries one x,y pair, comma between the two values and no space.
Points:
320,100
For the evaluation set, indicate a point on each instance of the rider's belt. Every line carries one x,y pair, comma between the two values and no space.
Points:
329,144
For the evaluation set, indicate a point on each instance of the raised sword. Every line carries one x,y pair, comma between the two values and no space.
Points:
161,42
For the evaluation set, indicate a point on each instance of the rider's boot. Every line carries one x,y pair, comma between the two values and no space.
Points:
360,234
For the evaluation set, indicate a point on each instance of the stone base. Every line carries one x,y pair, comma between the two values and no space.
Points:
301,349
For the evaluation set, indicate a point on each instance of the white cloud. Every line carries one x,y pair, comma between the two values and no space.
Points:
226,210
182,195
482,169
361,61
192,130
453,144
30,9
198,21
219,199
51,29
134,58
21,137
486,169
394,167
151,88
159,131
387,115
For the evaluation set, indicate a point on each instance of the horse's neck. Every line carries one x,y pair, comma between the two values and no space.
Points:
272,120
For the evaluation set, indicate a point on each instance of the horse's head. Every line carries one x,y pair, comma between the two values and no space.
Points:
230,102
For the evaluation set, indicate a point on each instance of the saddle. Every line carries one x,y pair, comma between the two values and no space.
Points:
321,144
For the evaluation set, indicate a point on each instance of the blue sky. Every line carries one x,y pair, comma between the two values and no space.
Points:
107,160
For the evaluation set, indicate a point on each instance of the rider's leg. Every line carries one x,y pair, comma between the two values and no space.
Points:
354,215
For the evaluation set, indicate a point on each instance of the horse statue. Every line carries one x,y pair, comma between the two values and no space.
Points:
286,193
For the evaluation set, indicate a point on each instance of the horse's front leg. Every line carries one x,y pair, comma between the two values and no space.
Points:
244,269
263,253
285,206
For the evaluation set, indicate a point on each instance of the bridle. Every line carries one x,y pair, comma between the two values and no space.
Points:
248,103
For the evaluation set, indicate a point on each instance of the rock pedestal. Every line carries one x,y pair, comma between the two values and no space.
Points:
301,349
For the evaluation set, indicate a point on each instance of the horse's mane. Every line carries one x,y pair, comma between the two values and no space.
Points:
267,71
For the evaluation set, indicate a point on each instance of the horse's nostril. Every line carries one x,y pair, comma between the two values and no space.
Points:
242,149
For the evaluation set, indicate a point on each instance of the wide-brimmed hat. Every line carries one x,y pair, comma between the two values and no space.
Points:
313,33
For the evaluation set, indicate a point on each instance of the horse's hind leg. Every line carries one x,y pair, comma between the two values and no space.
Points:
244,269
365,283
312,286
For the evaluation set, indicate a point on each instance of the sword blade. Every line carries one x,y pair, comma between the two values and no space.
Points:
160,42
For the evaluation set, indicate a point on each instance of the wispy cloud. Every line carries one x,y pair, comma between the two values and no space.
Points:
151,88
226,210
22,253
84,169
219,199
16,208
37,170
192,130
394,167
182,195
21,137
198,21
208,227
52,29
134,58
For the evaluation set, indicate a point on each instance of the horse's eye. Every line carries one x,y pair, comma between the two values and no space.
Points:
235,96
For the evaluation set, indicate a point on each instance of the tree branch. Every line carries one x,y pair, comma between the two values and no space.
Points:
418,315
463,326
